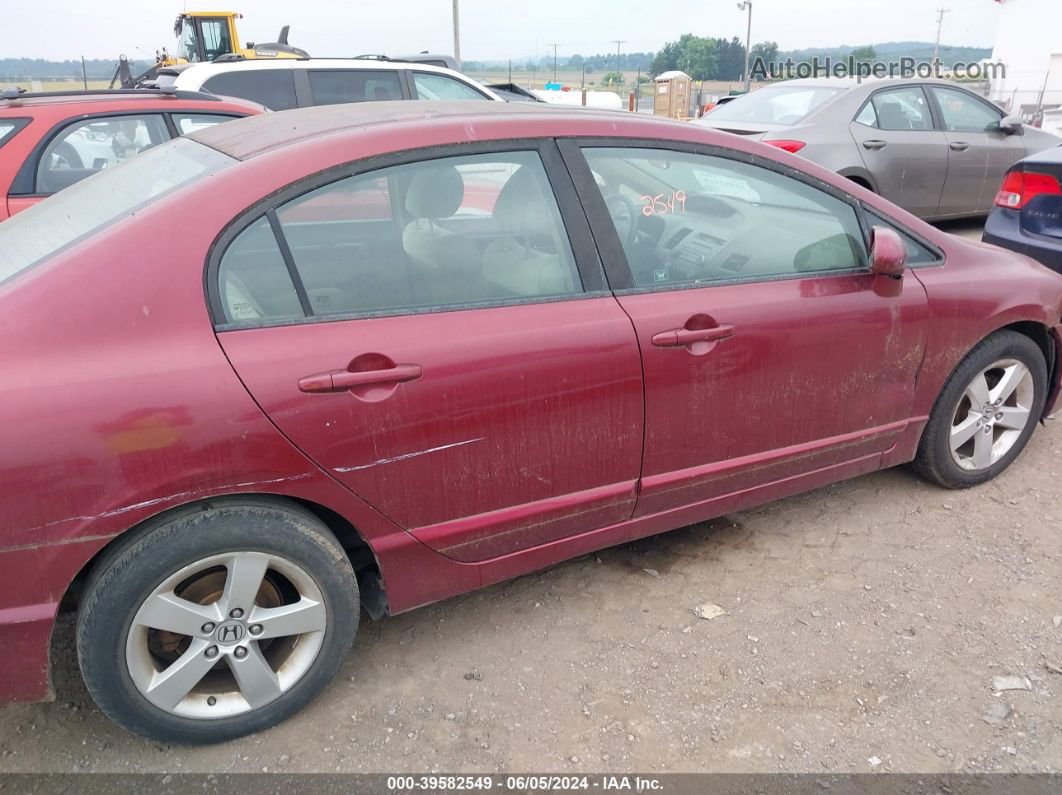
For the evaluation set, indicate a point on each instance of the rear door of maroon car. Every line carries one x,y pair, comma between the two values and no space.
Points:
769,350
437,334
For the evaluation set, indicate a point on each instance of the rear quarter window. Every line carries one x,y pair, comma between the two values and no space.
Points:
274,88
8,128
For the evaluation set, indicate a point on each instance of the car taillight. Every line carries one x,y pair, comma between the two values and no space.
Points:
787,145
1019,187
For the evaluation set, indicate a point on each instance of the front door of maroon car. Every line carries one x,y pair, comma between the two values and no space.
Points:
439,335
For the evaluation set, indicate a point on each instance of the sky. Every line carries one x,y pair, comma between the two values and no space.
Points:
489,28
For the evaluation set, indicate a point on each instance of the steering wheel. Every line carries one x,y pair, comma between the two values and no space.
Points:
624,216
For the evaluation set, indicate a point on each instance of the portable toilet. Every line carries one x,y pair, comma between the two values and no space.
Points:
672,97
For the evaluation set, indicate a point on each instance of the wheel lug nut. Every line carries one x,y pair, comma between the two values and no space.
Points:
236,613
212,701
211,652
988,429
256,629
999,416
207,628
240,652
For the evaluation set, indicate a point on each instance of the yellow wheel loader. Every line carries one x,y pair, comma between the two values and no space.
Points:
206,36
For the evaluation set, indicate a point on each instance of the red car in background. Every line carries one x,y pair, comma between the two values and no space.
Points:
371,356
50,140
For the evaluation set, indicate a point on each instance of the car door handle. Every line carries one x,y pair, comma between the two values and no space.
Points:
959,146
875,144
342,380
678,337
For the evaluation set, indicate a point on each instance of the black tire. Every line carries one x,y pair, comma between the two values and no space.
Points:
934,459
128,574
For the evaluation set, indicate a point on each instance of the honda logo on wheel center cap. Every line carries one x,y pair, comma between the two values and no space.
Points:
229,633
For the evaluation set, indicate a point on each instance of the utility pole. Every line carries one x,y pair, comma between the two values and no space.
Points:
940,23
84,76
746,5
457,34
554,46
619,43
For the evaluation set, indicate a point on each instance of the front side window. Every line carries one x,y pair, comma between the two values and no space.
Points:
433,86
330,87
450,232
194,122
917,254
84,148
274,88
902,109
698,219
964,113
45,229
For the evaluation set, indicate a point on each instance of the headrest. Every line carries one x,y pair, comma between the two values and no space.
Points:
521,208
435,192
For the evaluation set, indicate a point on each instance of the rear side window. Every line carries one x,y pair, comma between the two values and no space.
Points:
84,148
451,232
8,128
330,87
45,229
900,109
194,122
274,88
432,86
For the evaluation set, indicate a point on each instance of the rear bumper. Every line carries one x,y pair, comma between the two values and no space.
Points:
33,581
1003,228
25,635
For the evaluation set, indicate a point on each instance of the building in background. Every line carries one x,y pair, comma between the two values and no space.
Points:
1029,44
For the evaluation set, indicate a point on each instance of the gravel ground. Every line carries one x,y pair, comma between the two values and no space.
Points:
863,627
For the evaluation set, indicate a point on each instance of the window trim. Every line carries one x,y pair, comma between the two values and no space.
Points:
934,110
415,94
613,256
580,239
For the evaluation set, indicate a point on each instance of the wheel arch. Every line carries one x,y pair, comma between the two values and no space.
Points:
359,552
859,177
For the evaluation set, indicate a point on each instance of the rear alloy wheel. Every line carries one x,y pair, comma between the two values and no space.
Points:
986,413
218,623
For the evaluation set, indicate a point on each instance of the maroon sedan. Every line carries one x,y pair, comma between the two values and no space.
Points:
351,358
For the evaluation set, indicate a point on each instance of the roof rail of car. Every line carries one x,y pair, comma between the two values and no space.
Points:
18,94
372,56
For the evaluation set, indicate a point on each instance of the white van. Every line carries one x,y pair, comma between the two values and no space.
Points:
299,83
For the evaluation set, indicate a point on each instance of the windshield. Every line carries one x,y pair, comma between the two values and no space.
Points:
774,104
100,201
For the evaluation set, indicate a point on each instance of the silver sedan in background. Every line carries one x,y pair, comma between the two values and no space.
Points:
930,146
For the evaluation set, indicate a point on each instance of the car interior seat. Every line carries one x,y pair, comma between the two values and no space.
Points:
444,264
892,117
527,261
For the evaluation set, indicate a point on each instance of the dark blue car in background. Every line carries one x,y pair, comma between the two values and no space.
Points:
1028,209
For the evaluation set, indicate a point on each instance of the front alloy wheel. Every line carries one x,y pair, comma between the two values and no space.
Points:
986,413
217,622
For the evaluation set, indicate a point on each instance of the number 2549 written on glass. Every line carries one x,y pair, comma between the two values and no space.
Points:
665,203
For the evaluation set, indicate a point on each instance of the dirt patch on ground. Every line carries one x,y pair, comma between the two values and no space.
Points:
864,621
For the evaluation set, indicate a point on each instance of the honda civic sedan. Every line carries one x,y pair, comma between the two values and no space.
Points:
285,371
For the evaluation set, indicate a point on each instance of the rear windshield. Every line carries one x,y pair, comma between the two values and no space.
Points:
774,105
84,209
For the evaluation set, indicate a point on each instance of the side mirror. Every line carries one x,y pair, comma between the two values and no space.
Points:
1011,125
888,254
